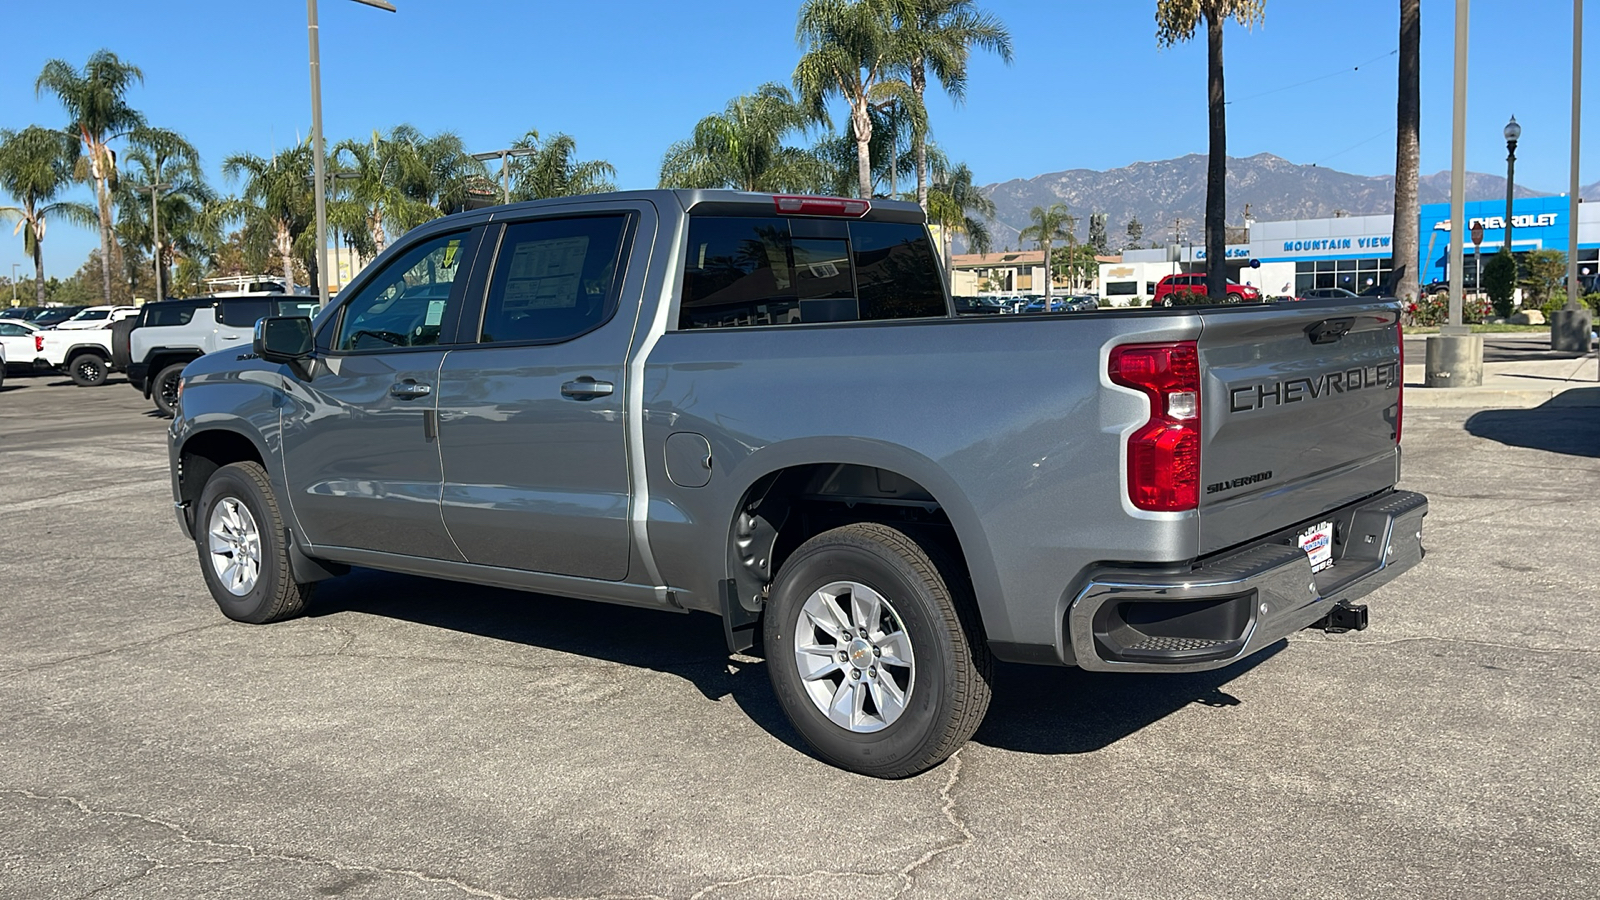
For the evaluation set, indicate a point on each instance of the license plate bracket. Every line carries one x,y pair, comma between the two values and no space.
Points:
1317,542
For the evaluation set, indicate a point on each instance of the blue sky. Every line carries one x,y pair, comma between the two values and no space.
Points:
1088,89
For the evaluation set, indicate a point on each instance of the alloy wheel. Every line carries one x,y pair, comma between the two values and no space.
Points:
854,656
235,545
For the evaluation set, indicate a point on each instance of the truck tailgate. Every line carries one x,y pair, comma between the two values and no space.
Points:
1301,414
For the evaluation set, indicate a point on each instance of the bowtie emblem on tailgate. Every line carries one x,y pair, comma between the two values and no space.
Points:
1329,330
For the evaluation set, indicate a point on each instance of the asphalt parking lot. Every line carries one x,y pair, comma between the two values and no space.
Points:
412,738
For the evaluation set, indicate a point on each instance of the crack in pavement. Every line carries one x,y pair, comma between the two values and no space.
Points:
109,650
183,834
904,873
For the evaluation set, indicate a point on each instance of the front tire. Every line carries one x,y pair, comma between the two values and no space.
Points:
874,651
164,389
88,370
239,534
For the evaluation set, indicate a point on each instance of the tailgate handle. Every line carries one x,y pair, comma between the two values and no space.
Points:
1329,331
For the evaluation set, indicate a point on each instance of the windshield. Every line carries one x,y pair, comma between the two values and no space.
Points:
89,315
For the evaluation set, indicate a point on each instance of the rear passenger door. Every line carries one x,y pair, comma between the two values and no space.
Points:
532,419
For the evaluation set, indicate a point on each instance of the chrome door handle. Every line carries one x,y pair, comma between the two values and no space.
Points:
409,390
586,388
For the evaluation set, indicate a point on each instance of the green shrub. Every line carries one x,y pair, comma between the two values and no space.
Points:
1500,280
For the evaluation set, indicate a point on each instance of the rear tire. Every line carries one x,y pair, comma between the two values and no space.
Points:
164,388
239,534
88,370
914,683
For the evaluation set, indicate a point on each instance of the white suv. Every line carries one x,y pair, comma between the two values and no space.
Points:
169,335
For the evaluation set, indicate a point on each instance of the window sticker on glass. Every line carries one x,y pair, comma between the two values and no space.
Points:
435,312
544,274
450,254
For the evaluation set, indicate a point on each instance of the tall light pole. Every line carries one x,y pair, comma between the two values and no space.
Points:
505,173
155,232
1513,132
1455,354
1570,326
319,163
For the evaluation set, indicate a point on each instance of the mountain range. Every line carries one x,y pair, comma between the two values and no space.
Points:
1160,192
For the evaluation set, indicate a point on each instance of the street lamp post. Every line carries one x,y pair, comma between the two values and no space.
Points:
13,284
319,163
505,173
155,232
1455,354
1513,132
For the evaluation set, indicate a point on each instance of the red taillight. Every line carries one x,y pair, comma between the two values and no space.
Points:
821,206
1164,454
1400,382
38,343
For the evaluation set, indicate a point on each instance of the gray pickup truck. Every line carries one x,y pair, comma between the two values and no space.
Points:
767,408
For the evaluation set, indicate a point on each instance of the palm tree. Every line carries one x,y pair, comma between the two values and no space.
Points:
95,98
1049,225
441,172
392,190
1177,20
277,203
1404,246
851,51
35,165
952,202
553,169
939,35
189,230
835,153
743,148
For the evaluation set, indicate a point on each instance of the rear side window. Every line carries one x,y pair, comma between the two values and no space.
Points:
773,271
243,313
554,279
161,315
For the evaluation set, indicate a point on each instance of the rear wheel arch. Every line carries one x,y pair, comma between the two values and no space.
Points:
782,508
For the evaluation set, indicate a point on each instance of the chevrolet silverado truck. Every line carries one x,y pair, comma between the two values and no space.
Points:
766,408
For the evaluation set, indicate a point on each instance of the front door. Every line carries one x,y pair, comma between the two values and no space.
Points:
532,420
360,444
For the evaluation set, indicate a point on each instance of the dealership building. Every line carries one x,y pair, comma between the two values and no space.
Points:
1353,252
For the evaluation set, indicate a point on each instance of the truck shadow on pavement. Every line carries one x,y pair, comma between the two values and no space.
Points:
1567,423
1036,709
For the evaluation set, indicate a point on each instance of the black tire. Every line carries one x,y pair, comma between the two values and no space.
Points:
88,369
275,595
949,685
164,388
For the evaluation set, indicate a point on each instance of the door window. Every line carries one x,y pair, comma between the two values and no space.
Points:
554,279
243,313
11,330
405,305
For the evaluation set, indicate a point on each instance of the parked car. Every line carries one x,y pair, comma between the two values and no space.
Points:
17,336
980,306
154,346
17,312
51,316
1195,283
1333,293
83,353
2,365
97,317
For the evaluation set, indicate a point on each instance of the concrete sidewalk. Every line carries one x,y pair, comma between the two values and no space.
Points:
1521,384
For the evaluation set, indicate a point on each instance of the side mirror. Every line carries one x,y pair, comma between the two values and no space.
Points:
283,339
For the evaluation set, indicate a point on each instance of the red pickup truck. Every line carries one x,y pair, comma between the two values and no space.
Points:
1196,284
